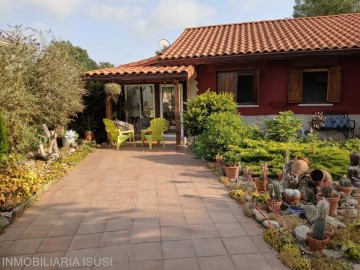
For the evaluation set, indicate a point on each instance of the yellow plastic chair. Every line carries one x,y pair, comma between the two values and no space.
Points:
116,135
154,132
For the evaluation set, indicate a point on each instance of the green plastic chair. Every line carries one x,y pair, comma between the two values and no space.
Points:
116,134
155,132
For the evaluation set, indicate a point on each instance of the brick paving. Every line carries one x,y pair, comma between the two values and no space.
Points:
159,209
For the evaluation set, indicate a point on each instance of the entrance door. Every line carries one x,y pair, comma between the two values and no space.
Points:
167,106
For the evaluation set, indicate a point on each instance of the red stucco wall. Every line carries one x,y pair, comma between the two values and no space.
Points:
273,83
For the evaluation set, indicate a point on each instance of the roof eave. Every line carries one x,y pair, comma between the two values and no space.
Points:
136,78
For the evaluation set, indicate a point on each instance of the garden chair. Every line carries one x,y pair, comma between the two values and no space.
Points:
154,132
116,134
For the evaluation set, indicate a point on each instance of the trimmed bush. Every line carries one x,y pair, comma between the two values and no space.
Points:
221,130
202,106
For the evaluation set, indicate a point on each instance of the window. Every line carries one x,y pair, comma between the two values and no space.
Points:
243,84
314,86
139,101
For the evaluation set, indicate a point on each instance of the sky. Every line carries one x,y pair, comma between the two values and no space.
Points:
123,31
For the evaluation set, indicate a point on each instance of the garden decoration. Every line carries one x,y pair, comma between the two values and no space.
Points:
232,164
345,186
262,181
114,90
292,196
69,138
321,177
317,121
51,151
317,238
354,169
299,166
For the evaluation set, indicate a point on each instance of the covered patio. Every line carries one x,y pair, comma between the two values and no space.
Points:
148,92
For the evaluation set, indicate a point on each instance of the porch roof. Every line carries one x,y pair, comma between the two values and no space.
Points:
141,73
273,38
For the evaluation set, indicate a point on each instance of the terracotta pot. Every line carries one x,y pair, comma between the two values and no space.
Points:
219,162
346,190
280,176
321,177
329,231
291,199
89,135
299,166
259,185
333,203
315,244
273,206
232,172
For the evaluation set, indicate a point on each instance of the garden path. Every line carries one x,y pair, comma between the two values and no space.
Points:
159,209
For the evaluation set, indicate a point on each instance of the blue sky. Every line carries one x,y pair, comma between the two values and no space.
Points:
122,31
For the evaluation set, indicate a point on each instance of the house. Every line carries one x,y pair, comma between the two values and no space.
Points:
305,65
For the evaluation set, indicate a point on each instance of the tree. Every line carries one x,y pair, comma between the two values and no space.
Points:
105,65
306,8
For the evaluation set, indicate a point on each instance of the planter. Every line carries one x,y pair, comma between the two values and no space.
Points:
89,136
333,203
299,166
259,185
329,231
321,177
291,199
280,176
219,162
315,244
346,190
232,172
273,206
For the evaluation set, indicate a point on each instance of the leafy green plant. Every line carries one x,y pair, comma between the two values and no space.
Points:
112,88
231,159
330,264
352,249
290,255
202,106
283,128
4,143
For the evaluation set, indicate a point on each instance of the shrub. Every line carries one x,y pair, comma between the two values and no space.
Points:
202,106
331,264
4,143
220,131
290,255
282,128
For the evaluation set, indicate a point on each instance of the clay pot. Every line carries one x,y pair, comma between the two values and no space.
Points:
232,172
346,190
259,185
333,203
329,231
291,199
280,176
273,206
299,166
321,177
219,162
315,244
89,135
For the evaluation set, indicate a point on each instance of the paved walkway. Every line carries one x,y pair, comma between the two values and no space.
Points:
142,209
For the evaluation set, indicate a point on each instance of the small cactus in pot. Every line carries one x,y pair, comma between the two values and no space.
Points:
317,238
345,186
275,201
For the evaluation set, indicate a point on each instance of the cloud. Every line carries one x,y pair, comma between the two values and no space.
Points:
58,8
174,14
245,5
113,11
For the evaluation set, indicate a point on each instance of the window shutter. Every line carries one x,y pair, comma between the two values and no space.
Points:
255,90
334,87
295,86
227,82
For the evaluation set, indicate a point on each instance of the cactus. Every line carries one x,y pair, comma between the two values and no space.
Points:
326,191
345,182
274,191
319,226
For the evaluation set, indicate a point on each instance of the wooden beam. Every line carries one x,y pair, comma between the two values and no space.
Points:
108,107
177,112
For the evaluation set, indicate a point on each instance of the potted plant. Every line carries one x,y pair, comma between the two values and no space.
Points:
114,90
69,138
232,164
275,201
219,160
292,196
88,127
330,195
262,181
317,239
345,186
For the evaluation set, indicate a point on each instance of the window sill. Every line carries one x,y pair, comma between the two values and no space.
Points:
315,105
247,106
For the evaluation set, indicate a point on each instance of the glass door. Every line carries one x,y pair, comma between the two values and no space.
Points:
168,106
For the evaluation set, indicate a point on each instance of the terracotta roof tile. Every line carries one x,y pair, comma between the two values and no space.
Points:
286,35
134,70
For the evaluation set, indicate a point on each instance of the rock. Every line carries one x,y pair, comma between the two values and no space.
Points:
3,222
274,223
333,222
310,213
300,232
353,202
285,212
333,253
306,249
248,198
341,218
258,216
